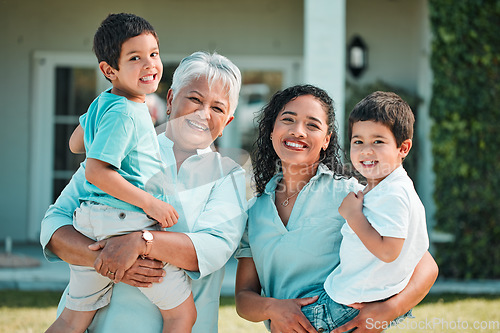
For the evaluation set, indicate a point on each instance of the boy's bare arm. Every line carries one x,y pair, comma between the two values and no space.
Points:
102,175
76,143
385,248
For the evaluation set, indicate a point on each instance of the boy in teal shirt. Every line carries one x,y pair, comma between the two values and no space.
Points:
124,174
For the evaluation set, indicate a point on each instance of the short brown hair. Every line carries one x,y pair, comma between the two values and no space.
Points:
386,108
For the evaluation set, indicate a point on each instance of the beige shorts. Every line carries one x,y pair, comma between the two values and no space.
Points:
88,290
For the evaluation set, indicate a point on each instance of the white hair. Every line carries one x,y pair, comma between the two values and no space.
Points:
215,68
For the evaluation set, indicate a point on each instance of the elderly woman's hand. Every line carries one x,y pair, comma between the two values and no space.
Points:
118,254
144,272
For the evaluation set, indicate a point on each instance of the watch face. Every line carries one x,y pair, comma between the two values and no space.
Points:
147,236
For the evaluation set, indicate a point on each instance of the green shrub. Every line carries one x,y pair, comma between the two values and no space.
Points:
466,143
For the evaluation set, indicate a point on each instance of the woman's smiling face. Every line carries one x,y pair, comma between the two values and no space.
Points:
198,114
301,131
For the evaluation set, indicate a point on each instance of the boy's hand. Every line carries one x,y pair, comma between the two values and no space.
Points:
352,206
162,212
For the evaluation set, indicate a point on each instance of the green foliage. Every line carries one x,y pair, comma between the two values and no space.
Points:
466,143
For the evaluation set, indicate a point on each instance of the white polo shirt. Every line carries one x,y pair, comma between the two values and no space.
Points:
394,209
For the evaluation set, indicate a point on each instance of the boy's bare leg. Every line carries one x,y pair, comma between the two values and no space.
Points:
181,318
71,321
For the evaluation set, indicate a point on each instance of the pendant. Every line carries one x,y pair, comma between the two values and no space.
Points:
285,203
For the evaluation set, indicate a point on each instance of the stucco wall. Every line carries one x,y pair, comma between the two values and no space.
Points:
256,27
392,30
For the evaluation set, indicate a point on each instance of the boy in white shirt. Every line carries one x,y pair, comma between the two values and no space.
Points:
385,235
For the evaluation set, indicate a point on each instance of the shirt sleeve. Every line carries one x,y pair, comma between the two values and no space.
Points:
244,250
389,213
219,228
61,212
115,137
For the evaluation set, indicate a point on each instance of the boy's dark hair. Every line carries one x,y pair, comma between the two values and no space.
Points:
114,31
265,160
386,108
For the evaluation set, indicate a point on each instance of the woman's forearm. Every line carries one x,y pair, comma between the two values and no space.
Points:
72,247
418,287
250,305
175,248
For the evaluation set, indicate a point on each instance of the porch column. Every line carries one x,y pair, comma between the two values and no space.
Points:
324,51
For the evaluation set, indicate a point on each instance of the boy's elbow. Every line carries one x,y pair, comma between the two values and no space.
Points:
73,149
388,259
76,148
433,267
91,172
389,256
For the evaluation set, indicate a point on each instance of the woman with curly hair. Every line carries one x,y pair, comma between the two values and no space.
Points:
293,233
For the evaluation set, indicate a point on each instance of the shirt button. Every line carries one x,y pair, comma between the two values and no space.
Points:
122,215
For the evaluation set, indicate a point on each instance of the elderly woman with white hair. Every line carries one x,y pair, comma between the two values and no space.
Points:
206,189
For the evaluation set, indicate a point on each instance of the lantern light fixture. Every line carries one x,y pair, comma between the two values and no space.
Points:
357,56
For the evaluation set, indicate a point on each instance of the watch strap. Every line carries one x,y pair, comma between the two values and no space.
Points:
148,238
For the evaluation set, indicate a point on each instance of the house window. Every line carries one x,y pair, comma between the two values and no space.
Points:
74,91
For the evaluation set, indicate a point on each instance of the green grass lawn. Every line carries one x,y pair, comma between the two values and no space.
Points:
29,312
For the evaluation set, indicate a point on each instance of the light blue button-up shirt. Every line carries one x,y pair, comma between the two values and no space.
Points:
208,192
294,261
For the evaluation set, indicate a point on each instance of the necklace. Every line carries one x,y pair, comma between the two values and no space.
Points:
287,200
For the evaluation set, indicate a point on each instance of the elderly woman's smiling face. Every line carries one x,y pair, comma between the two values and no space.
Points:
198,114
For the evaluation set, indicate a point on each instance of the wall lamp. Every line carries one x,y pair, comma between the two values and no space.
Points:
357,56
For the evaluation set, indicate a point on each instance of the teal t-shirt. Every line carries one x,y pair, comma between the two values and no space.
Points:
120,132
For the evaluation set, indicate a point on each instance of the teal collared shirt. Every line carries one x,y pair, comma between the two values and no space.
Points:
208,192
294,261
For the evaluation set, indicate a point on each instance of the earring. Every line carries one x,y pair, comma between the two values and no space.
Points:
271,137
220,135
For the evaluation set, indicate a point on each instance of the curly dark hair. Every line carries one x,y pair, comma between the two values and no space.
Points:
265,160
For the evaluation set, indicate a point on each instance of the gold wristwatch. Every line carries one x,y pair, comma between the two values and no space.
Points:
148,237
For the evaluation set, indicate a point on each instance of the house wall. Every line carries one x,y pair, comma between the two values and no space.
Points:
232,28
398,37
392,29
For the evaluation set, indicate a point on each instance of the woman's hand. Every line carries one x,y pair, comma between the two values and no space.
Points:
143,273
373,317
118,254
287,316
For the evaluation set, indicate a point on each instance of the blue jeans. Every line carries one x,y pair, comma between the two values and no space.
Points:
326,314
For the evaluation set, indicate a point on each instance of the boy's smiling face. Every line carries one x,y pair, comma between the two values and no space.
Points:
140,68
374,152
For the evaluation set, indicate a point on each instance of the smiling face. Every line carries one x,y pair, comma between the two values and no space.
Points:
198,114
374,152
140,68
300,132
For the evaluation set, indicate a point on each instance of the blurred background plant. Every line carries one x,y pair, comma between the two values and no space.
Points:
466,146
